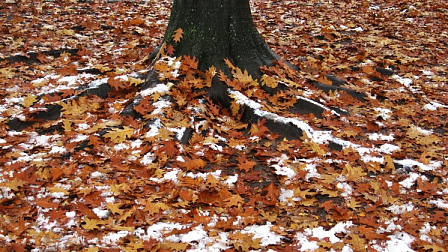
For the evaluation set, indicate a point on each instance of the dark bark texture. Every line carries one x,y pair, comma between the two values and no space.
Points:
218,29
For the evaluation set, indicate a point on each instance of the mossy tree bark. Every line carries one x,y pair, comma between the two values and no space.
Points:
215,30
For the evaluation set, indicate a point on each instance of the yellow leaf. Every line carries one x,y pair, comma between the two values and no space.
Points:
29,101
269,81
57,189
15,184
119,135
434,248
389,164
67,125
353,173
244,77
93,223
67,32
114,208
135,81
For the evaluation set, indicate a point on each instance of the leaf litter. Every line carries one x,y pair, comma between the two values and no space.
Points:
95,180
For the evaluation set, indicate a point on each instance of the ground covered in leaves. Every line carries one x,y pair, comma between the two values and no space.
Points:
95,180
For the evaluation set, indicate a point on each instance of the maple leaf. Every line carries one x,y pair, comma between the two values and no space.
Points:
118,135
178,34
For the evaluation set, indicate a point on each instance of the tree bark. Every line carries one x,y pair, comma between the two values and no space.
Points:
215,30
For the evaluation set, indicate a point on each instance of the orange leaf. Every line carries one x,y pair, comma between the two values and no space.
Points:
178,34
189,62
246,165
193,164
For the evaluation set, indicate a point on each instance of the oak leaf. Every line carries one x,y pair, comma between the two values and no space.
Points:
118,135
178,34
29,101
91,224
246,165
269,81
193,164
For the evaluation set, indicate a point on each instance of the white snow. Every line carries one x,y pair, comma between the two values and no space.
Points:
398,242
264,232
101,213
159,88
112,238
284,171
440,203
434,106
321,233
399,209
285,195
376,136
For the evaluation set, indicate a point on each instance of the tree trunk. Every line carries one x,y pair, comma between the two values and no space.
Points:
214,30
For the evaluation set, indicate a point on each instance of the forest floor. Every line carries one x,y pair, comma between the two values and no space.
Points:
94,180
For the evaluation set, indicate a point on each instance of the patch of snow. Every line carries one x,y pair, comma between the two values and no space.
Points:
170,175
409,163
348,190
101,213
156,230
341,227
440,203
121,146
285,194
97,175
79,138
70,214
147,159
421,130
434,106
264,232
388,148
57,149
312,171
231,180
6,193
154,128
383,113
410,181
197,234
284,171
159,88
304,243
112,238
136,143
376,136
357,29
399,241
160,105
425,230
399,209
